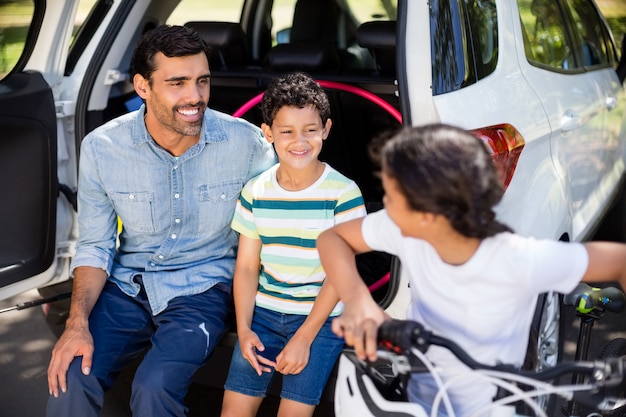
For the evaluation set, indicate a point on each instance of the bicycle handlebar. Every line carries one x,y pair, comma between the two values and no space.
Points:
403,335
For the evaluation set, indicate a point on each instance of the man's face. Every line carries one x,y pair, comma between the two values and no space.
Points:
177,94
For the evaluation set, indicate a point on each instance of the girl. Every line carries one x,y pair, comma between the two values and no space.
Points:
471,279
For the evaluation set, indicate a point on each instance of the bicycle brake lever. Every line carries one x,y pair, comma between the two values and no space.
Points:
608,372
399,363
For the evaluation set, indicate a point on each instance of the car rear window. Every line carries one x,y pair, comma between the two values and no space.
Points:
552,42
210,10
464,42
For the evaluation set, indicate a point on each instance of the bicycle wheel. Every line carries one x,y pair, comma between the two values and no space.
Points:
616,348
545,346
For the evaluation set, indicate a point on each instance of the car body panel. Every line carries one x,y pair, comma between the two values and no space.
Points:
28,127
35,83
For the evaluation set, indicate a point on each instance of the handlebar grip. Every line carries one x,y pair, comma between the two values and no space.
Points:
403,334
586,299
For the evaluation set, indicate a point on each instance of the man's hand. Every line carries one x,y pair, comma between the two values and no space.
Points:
358,325
75,341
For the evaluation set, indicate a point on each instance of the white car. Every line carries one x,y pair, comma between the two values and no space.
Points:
539,80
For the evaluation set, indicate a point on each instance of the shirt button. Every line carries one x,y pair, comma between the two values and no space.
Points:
132,196
160,256
151,263
176,195
177,221
173,235
223,196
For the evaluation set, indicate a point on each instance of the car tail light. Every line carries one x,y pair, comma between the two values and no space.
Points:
505,144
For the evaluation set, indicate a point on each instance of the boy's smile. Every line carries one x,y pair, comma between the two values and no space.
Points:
297,135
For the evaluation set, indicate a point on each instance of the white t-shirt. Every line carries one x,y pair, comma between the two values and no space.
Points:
485,305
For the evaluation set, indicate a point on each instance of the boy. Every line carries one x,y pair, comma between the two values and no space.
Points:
282,316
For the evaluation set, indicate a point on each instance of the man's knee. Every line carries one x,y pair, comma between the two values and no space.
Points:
157,393
84,395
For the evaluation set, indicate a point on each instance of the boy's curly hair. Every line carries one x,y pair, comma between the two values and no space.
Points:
295,89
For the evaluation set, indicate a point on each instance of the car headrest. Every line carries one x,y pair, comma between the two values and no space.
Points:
303,57
380,38
315,21
379,34
227,41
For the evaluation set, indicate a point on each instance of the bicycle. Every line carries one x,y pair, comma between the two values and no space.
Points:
597,388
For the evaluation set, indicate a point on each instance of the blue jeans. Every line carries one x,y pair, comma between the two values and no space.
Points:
275,329
179,341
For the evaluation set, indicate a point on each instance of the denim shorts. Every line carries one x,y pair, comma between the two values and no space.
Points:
275,329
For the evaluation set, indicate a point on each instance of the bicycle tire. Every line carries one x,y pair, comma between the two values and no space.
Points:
615,348
545,347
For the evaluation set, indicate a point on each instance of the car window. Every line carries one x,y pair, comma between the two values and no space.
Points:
358,11
545,34
84,10
89,16
15,20
614,12
591,41
367,10
483,26
464,42
207,10
282,19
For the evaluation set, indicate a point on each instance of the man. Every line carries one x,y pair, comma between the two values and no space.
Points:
172,172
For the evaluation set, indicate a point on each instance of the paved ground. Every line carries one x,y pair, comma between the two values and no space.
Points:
25,346
26,342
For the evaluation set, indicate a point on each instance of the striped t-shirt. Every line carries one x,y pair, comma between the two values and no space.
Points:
288,223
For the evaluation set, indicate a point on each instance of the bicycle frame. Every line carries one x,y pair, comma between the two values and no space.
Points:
359,384
367,389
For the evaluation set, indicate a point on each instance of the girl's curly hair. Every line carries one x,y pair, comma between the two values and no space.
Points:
444,170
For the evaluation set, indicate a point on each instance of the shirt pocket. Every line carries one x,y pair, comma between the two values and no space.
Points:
310,230
136,210
217,205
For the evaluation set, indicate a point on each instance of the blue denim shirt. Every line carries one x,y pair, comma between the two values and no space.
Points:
175,211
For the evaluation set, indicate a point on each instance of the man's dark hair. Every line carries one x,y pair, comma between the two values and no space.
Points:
171,41
295,89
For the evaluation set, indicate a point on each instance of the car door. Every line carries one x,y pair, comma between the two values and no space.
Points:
566,62
34,38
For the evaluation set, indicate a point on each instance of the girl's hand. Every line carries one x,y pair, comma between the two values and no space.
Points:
294,357
358,325
250,343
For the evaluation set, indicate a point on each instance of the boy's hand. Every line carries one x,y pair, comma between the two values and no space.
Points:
250,343
294,357
358,325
